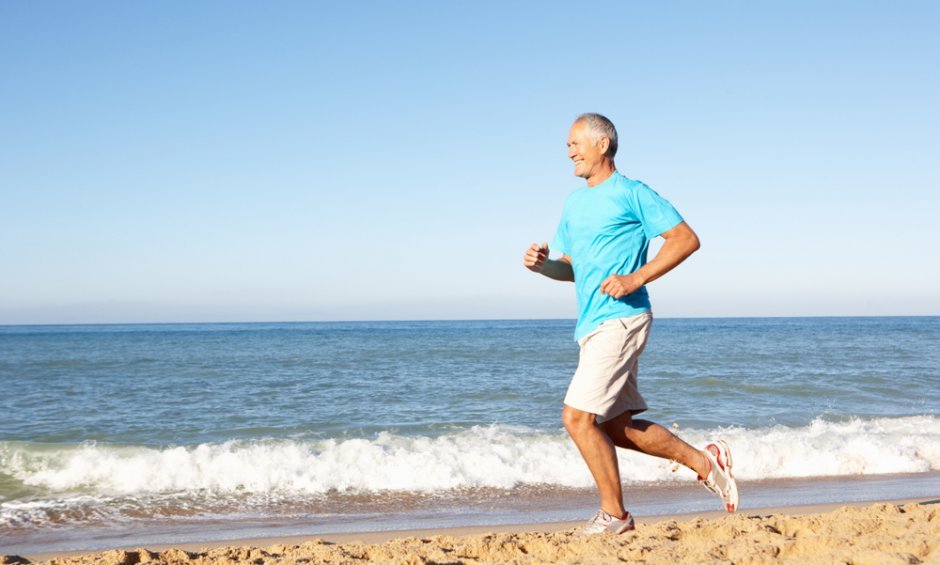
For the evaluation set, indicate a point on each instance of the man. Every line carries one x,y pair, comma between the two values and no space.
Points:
603,237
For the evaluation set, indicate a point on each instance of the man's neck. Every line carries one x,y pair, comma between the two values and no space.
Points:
602,174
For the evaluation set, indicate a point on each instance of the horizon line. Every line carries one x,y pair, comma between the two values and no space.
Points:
392,321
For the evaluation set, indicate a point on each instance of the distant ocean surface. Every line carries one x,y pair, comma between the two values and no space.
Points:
300,427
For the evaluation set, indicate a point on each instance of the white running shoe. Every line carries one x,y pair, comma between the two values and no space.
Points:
604,522
720,479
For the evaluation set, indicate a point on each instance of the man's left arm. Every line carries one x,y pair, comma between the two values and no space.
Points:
680,242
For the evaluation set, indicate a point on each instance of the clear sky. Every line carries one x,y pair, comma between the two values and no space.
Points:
263,161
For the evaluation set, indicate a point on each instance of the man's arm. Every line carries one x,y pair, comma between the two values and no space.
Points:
680,242
536,260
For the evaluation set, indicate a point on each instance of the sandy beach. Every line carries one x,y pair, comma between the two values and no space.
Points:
886,532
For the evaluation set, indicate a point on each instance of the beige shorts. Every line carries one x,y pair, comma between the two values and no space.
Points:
605,381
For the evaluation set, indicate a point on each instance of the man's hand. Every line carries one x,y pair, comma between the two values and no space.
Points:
536,260
619,286
535,257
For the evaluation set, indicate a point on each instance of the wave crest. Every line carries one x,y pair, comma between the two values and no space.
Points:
493,456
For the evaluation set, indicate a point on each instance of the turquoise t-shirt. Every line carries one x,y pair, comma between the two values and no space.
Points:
606,229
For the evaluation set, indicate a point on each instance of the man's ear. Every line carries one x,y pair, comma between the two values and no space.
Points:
603,144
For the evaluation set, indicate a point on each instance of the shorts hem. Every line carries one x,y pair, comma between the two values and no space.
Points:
601,418
633,412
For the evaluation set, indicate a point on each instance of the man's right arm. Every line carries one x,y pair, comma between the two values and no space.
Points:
536,260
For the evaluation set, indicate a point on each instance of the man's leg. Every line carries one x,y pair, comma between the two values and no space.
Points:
651,438
713,466
600,455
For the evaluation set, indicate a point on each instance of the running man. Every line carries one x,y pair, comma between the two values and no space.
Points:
603,238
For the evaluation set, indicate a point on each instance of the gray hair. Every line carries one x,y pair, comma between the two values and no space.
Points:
600,127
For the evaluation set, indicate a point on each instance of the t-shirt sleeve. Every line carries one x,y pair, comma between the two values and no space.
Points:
560,241
655,213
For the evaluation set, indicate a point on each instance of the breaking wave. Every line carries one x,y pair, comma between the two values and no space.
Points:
494,457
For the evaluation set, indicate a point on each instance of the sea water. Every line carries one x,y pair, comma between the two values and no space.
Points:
120,432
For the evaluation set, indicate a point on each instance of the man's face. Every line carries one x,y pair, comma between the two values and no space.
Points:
587,155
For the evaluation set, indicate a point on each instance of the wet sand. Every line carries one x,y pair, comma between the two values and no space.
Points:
888,532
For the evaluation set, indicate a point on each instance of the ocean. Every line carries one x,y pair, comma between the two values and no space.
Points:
142,434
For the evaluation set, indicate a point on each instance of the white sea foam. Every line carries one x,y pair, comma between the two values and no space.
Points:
491,457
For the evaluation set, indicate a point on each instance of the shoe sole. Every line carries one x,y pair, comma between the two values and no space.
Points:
725,451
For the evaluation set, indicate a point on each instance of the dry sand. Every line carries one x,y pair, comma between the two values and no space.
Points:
883,533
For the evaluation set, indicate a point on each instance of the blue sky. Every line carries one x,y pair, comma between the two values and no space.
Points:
238,161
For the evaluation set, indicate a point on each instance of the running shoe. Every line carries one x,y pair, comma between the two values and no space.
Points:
720,479
603,522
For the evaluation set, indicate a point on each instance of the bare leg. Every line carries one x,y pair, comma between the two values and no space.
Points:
600,455
651,438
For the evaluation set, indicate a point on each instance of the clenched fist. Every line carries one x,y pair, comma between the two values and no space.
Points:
619,286
535,257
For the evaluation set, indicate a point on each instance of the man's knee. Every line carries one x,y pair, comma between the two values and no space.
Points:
576,420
